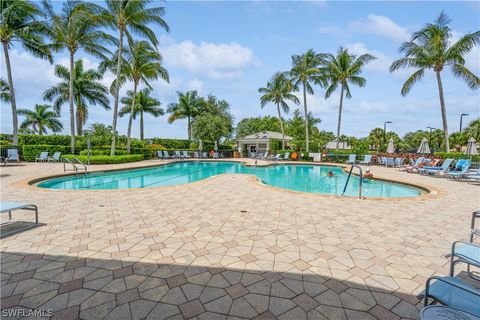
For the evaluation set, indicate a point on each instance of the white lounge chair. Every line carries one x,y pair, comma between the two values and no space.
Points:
367,160
12,155
9,206
42,157
55,157
185,154
351,158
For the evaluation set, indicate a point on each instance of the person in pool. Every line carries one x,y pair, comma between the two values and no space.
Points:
330,174
368,174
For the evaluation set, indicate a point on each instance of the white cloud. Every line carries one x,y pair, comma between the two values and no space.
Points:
333,30
381,64
382,26
472,59
219,61
196,84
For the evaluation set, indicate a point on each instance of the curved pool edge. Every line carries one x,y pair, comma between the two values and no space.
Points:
427,192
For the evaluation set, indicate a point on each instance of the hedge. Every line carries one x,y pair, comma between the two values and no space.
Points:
457,155
108,159
104,152
31,152
35,139
172,143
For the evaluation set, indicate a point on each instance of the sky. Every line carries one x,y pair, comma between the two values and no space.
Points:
232,48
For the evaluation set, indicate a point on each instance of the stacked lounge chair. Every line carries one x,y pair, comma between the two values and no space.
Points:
436,170
460,170
416,165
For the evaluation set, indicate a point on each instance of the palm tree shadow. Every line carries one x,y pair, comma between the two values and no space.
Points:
88,288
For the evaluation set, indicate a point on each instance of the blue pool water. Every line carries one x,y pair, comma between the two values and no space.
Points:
306,178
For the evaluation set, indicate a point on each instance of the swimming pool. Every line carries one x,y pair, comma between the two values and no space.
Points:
305,178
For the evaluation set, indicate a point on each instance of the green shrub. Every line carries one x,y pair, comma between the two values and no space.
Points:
108,159
148,153
172,143
103,152
35,139
31,152
457,155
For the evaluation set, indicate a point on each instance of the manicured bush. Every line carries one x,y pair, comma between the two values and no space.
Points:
104,152
457,155
31,152
172,143
108,159
35,139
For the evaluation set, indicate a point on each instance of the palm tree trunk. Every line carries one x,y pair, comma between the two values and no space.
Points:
141,125
79,118
307,139
72,109
281,126
339,117
117,91
444,111
12,94
130,119
189,128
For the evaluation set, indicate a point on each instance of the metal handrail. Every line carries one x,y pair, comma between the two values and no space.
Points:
74,165
80,163
361,180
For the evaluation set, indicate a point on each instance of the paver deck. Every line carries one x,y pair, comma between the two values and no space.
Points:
226,247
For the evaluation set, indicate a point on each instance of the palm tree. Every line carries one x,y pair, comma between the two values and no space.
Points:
305,69
144,103
279,90
141,63
75,28
4,91
342,69
431,48
18,23
126,16
86,90
188,106
41,119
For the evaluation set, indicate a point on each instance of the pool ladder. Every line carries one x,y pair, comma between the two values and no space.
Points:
75,163
361,180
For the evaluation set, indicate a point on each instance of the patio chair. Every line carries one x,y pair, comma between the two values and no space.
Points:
390,162
351,158
465,252
9,206
367,160
436,170
445,312
12,155
452,292
55,157
196,155
286,156
383,161
474,231
159,154
398,162
185,154
42,157
473,177
205,155
460,171
215,155
417,164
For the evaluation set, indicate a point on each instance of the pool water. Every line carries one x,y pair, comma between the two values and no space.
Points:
305,178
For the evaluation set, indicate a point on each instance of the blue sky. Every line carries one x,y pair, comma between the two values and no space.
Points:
231,49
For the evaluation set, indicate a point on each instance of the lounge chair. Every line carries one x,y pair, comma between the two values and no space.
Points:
55,157
398,162
185,154
383,161
416,165
12,155
452,292
473,177
445,312
42,157
436,170
474,231
205,155
196,155
286,156
159,154
215,155
390,162
367,160
460,171
351,158
9,206
465,252
263,157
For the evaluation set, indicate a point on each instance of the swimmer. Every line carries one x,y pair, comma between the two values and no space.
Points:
368,174
330,173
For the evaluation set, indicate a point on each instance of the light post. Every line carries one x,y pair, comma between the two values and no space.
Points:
385,131
461,118
430,135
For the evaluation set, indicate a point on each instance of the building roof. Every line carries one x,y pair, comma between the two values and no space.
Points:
265,135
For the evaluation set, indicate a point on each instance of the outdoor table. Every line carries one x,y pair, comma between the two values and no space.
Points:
445,313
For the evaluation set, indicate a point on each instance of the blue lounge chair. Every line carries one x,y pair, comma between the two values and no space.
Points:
415,166
452,292
383,161
351,158
436,170
12,155
286,156
473,177
390,162
9,206
465,252
159,154
55,157
398,162
460,171
42,157
367,160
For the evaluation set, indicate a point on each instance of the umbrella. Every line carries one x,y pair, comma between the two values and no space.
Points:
391,146
424,148
471,147
216,146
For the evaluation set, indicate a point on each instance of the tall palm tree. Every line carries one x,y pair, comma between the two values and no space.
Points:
4,91
19,23
86,90
75,28
305,69
188,106
144,103
41,119
130,16
431,48
342,69
277,91
141,63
